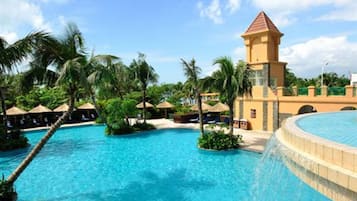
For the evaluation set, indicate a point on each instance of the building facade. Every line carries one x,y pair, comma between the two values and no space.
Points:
269,103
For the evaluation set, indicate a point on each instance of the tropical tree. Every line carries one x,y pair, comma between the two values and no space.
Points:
231,81
192,72
67,54
144,74
98,75
13,54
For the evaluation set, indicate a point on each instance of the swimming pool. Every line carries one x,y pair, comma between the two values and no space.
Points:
332,126
83,164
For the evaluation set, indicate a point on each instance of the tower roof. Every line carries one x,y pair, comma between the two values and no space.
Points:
262,23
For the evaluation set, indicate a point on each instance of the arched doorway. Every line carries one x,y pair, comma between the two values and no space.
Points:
348,108
306,109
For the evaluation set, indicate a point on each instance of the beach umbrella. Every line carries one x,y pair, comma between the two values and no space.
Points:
219,107
62,108
40,109
15,111
165,105
86,106
141,105
205,106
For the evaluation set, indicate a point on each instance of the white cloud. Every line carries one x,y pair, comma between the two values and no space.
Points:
214,10
346,12
17,13
233,5
283,11
10,37
307,59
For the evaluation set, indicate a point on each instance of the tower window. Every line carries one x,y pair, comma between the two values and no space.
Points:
257,78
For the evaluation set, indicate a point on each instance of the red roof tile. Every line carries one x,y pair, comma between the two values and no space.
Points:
262,23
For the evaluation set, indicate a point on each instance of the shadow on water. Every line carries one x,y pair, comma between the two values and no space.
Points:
151,187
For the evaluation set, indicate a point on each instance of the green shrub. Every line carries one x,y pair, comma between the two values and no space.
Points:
12,140
217,140
7,191
143,126
119,128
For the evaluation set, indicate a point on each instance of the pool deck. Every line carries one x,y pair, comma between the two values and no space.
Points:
253,140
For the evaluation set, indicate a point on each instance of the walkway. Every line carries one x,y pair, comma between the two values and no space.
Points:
253,140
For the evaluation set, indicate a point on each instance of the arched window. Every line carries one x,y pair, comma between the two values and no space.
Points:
306,109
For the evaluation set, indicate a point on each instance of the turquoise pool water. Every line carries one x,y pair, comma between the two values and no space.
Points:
83,164
340,127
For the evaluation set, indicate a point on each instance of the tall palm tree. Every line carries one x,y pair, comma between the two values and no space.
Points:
144,74
13,54
68,56
192,72
230,81
72,77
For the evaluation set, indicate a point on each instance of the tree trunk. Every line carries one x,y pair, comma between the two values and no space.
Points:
96,106
230,105
200,113
16,173
144,105
3,107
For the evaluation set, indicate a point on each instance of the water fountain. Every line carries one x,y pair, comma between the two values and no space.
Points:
327,166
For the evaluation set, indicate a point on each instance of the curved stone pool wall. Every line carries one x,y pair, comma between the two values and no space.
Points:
328,167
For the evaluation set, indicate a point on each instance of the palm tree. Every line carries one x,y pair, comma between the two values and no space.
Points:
144,74
230,81
98,74
72,77
67,54
191,72
13,54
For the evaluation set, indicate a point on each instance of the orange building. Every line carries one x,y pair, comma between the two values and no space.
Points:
269,104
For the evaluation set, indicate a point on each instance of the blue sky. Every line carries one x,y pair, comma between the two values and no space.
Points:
315,32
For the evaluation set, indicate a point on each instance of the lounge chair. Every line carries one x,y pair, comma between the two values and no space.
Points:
84,118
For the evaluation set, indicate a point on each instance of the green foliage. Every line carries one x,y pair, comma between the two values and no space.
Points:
12,140
218,140
7,191
135,95
119,127
330,79
117,113
49,97
182,109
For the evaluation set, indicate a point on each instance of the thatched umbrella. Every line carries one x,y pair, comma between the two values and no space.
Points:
15,111
219,107
165,105
40,110
205,106
141,105
62,108
86,106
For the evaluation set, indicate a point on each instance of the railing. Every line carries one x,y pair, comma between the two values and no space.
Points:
318,91
336,91
303,91
311,91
